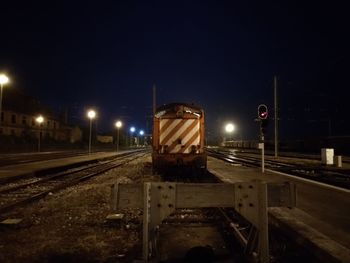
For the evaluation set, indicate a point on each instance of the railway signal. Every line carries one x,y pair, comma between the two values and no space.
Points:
263,125
262,112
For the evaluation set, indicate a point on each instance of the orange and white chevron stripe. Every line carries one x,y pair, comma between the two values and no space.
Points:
178,135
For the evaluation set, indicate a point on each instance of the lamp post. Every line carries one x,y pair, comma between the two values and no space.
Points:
141,134
229,128
118,124
39,120
91,115
132,130
3,80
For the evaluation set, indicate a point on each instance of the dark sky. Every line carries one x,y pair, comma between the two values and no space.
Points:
221,55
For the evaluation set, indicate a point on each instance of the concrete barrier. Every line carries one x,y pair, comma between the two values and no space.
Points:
338,161
327,156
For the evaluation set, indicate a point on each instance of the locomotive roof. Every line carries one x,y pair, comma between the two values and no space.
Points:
174,107
170,106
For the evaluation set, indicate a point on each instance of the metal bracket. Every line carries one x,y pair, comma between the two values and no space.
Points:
159,200
159,203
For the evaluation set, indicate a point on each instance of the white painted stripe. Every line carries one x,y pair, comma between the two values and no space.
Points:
176,149
174,122
179,131
189,136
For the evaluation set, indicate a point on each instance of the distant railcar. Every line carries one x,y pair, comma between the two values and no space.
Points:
178,137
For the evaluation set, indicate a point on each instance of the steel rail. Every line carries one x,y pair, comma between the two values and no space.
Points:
70,178
314,174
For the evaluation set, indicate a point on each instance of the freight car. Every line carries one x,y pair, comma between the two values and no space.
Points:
178,138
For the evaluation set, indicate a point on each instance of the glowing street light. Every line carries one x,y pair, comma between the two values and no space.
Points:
141,133
118,125
91,115
132,130
229,128
3,80
39,120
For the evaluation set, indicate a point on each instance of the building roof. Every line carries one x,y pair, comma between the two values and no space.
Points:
15,100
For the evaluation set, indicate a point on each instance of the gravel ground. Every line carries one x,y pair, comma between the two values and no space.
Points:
71,225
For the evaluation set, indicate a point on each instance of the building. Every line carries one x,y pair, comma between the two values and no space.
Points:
19,114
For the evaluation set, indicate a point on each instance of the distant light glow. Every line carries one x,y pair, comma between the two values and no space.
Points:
142,132
3,79
132,129
118,124
229,127
39,119
91,114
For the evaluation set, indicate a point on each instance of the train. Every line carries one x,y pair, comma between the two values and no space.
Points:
178,138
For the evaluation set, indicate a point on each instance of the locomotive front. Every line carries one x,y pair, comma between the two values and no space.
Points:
178,137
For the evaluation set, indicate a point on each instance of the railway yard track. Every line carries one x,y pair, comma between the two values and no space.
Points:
224,231
232,224
195,234
24,191
14,159
335,177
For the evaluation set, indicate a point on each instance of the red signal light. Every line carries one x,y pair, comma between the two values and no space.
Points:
262,111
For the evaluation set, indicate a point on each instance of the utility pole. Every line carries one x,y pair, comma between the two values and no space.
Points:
276,115
262,147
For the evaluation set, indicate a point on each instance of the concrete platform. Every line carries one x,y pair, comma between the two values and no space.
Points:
321,220
14,172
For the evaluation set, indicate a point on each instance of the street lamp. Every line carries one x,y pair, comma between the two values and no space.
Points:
3,80
91,115
229,128
141,132
39,120
118,124
132,130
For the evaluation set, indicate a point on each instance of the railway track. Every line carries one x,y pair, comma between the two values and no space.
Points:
335,177
22,192
229,233
301,156
15,159
34,157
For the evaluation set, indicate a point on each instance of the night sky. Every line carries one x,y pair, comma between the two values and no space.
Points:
221,55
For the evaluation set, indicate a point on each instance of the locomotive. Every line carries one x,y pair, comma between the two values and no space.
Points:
178,137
